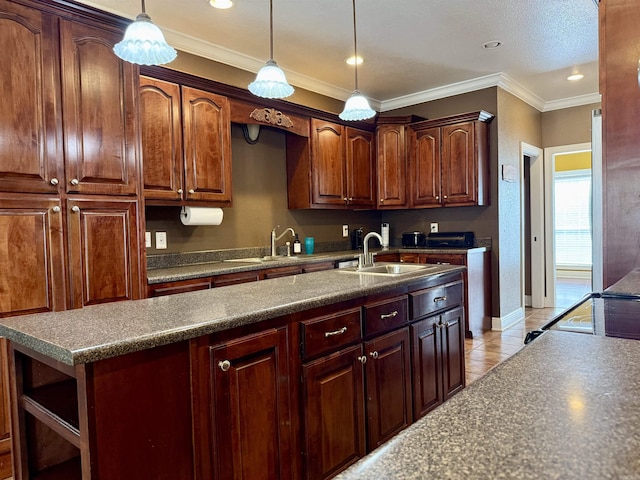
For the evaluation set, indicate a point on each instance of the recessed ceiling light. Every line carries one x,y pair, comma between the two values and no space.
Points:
575,76
492,44
221,4
352,60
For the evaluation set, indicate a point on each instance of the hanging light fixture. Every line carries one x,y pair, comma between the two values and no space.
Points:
144,44
221,4
271,81
357,106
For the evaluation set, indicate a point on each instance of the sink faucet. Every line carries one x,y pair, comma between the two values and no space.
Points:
274,239
366,259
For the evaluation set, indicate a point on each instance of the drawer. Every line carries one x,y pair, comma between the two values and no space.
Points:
385,316
328,334
445,259
432,300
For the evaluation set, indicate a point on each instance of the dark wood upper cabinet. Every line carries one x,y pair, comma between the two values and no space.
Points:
360,168
449,161
186,144
104,260
392,166
31,143
328,163
98,100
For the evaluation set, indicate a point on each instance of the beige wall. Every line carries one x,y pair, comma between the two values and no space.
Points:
567,126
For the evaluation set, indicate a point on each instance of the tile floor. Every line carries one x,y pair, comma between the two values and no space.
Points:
485,352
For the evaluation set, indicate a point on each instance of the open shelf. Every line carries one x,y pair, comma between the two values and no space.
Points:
69,470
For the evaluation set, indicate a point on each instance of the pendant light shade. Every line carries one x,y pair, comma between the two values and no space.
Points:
271,81
144,43
357,106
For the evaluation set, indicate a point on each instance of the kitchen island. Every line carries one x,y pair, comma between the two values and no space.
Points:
228,382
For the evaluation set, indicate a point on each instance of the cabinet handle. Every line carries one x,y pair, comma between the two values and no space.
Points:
75,209
192,191
444,263
437,197
445,197
440,299
362,359
382,200
373,355
350,199
54,181
224,365
389,315
335,332
74,181
180,191
56,209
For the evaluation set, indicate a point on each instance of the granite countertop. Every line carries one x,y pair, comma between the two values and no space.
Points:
102,331
567,406
204,269
627,285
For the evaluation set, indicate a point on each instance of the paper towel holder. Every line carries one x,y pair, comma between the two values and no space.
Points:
251,132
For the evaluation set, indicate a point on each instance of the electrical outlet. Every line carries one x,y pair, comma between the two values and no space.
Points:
147,239
161,240
434,228
345,230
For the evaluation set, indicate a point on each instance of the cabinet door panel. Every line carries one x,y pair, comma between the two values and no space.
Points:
328,163
453,351
360,169
458,164
427,365
31,257
29,101
103,247
98,91
389,403
161,130
333,406
207,145
425,168
392,168
251,411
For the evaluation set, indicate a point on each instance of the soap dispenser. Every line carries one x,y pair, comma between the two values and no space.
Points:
297,246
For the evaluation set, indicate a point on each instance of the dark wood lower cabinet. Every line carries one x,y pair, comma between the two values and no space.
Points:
334,413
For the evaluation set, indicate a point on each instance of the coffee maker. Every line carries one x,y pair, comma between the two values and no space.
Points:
356,238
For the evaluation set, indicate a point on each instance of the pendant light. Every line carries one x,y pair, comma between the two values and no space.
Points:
357,106
144,44
271,81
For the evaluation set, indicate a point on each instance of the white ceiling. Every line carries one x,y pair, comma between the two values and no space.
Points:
414,50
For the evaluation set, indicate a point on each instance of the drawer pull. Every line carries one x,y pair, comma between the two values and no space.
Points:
362,359
373,355
335,332
224,365
389,315
444,263
440,299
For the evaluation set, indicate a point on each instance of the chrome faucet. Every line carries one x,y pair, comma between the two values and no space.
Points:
366,259
274,239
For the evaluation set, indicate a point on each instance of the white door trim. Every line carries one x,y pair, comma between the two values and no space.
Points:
597,222
536,181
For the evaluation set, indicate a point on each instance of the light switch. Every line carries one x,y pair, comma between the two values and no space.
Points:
345,230
434,228
161,240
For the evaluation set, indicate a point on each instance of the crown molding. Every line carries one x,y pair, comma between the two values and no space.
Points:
572,102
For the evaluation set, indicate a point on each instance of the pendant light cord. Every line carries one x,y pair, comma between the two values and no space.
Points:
271,29
143,11
355,43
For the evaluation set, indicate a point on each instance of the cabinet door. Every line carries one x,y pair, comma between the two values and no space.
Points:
328,163
161,131
453,351
360,168
251,408
392,168
98,98
425,168
334,419
459,169
427,366
30,154
103,251
388,379
32,263
207,146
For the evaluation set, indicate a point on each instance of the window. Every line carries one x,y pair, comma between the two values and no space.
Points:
573,219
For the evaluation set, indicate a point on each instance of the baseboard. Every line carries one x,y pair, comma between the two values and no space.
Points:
501,324
527,301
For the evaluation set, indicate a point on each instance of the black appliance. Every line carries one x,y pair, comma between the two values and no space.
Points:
450,240
603,314
413,239
356,239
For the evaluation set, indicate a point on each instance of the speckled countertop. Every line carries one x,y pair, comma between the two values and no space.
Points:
107,330
627,285
567,406
218,267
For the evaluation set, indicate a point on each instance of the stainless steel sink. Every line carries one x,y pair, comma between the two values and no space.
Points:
389,269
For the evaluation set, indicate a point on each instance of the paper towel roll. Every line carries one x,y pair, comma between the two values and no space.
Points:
201,216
